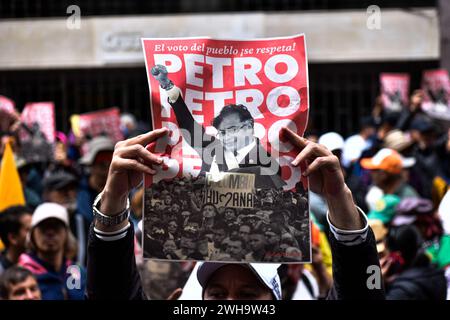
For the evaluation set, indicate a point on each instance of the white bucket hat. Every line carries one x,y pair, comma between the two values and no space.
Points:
267,273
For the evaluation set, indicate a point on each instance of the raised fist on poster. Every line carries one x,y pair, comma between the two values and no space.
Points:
159,72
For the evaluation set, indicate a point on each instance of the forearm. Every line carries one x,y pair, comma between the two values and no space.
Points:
187,122
342,211
405,119
111,205
112,270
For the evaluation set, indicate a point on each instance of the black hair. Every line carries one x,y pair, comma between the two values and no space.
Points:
274,228
10,221
390,118
177,202
238,109
408,241
366,122
158,224
189,234
211,205
195,219
257,231
281,213
173,219
12,276
237,238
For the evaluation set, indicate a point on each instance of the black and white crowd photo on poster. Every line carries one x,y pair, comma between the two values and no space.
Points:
180,225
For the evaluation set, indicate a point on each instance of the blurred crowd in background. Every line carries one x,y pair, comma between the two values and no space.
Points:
397,166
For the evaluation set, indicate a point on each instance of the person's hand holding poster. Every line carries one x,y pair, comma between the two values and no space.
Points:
436,88
227,190
394,90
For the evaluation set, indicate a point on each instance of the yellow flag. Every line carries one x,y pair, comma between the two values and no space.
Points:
75,124
11,192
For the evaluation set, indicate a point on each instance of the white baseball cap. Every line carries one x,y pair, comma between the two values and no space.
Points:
267,273
49,210
332,140
96,145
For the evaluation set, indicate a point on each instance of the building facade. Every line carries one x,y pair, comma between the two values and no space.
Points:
89,56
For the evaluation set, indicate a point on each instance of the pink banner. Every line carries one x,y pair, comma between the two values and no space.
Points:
42,114
105,121
436,87
394,90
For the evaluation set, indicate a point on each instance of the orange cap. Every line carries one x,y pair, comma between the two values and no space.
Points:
386,159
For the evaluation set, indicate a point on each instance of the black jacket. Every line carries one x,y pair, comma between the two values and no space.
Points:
421,283
113,274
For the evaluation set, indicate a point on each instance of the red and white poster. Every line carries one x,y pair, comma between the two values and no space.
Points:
101,122
227,190
6,105
42,115
436,88
394,90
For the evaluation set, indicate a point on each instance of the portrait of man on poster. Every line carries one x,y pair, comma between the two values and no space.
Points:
235,148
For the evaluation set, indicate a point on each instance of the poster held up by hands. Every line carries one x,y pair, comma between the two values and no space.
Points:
41,117
394,90
227,190
436,89
95,123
